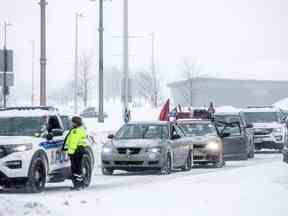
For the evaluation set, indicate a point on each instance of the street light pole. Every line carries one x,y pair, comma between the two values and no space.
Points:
101,64
43,60
125,87
77,16
4,87
33,72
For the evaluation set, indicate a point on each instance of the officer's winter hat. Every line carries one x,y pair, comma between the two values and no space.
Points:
77,121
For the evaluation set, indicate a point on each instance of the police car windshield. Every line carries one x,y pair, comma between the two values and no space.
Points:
261,117
140,132
21,126
199,129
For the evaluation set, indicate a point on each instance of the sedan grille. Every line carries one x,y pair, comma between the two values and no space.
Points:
129,163
198,146
129,151
198,157
263,131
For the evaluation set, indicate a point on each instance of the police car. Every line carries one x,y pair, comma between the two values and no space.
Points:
31,141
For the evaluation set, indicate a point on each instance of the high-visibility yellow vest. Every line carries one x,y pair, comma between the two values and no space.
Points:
77,137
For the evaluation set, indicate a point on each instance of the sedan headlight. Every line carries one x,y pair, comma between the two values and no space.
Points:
107,150
154,150
20,148
213,146
277,130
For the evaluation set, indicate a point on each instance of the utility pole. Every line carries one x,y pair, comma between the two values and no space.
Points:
125,84
5,87
101,64
43,60
33,72
77,16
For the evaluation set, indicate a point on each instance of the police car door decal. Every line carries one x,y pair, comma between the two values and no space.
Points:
54,151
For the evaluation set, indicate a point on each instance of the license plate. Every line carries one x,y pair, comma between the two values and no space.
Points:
198,152
126,157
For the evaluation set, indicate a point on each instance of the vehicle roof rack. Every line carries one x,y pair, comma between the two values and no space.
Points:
251,107
45,108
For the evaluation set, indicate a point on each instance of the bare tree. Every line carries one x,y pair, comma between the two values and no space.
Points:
85,77
112,80
147,86
190,70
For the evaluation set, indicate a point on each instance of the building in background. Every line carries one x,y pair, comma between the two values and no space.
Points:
199,92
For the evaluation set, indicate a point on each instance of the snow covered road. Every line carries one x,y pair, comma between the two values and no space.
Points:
254,187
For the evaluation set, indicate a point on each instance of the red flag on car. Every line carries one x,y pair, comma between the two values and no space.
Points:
164,114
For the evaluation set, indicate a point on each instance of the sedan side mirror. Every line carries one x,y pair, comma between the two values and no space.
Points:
49,136
111,136
284,119
176,136
226,134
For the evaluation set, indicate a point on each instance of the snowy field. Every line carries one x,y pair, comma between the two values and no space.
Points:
255,187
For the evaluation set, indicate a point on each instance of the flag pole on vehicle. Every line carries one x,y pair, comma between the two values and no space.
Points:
164,114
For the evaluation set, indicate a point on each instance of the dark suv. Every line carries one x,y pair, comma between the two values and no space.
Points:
246,130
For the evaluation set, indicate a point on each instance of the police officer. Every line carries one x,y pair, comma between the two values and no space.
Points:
75,143
127,116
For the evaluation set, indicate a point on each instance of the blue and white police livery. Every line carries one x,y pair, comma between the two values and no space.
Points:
31,142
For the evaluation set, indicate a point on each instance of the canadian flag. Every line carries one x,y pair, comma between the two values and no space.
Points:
164,114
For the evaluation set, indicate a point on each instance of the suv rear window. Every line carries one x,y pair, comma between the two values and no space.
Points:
261,117
66,122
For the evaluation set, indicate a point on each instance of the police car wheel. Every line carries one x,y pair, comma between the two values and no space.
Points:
86,170
107,171
37,176
251,154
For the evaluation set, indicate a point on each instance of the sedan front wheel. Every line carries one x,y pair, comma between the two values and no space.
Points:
188,163
220,162
167,168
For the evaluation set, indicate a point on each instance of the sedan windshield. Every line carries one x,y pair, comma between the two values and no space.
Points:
227,118
21,126
141,132
199,129
261,117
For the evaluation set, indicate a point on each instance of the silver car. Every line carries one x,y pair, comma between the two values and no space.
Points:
143,146
208,145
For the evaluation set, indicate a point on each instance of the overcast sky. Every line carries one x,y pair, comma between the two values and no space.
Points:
230,38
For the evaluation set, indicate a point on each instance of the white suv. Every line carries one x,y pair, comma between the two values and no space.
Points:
31,141
270,130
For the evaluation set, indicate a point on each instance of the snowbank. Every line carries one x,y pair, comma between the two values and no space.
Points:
227,109
282,104
260,189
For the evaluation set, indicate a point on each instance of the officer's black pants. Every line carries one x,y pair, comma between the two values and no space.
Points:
76,161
